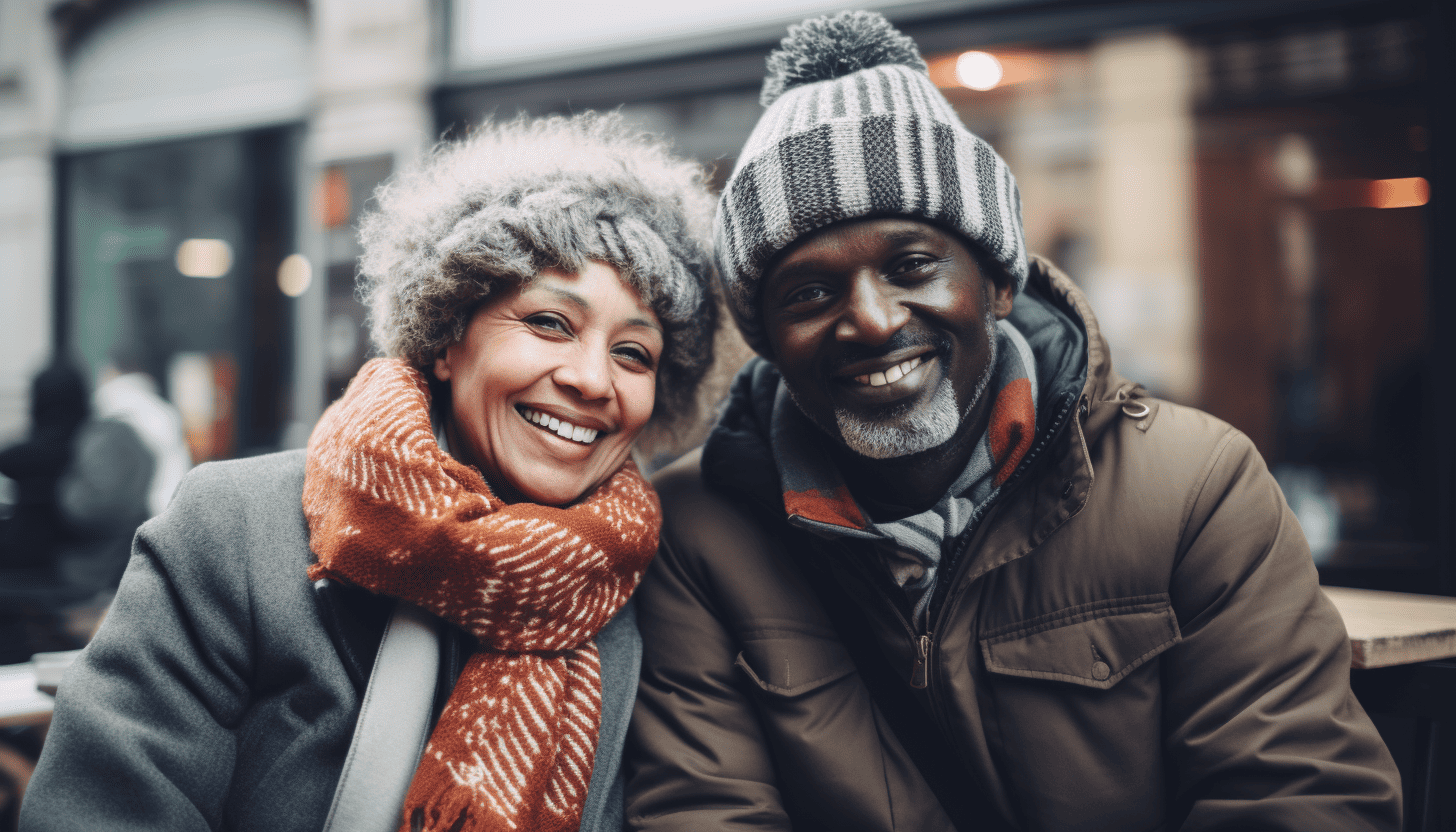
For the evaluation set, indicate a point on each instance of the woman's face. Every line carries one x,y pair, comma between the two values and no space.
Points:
552,382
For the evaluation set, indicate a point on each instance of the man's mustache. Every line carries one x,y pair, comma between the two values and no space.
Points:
904,338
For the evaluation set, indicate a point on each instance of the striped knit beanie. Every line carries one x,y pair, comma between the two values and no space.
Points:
854,127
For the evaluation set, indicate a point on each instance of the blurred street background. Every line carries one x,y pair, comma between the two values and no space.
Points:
1248,192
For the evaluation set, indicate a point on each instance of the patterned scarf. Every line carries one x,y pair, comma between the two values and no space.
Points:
815,497
389,511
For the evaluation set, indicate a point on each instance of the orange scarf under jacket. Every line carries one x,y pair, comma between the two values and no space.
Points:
389,511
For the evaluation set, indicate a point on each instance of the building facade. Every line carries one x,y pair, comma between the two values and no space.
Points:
1249,193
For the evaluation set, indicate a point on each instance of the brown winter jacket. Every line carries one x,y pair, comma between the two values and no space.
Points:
1132,639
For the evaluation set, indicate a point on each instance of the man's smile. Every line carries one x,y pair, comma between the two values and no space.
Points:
895,381
891,375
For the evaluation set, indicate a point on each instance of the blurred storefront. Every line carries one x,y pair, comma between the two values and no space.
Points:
1246,191
185,159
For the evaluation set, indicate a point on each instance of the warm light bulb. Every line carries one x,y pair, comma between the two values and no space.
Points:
978,70
294,275
204,258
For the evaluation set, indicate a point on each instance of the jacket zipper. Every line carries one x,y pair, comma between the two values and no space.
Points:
920,673
926,643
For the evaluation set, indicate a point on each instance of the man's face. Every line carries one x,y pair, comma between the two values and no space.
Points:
884,331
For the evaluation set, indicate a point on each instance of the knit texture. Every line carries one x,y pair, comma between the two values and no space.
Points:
391,512
878,140
816,498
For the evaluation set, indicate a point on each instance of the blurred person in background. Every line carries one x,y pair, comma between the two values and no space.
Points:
128,394
80,484
540,290
939,566
58,408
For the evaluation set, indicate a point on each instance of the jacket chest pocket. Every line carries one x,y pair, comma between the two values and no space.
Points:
1095,648
1076,707
790,664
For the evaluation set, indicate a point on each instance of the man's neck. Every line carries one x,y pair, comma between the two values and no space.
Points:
910,484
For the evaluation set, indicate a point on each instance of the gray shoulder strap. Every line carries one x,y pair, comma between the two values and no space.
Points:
394,722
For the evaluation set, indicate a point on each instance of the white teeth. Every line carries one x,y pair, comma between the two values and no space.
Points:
565,430
890,376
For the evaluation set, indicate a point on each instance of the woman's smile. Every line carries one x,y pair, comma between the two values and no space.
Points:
560,427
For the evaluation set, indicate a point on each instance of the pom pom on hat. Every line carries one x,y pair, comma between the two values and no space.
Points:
825,48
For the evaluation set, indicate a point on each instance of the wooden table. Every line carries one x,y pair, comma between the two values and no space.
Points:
1402,647
1392,628
20,702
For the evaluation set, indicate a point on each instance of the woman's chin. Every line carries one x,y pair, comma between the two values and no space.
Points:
548,496
551,485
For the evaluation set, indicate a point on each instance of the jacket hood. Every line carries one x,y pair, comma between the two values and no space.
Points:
1073,363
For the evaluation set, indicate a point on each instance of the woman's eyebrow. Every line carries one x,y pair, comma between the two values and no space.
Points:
646,323
571,297
581,302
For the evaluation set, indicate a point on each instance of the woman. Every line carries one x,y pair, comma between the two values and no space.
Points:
540,290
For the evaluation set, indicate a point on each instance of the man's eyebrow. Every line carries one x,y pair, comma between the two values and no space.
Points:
906,236
893,239
792,271
580,301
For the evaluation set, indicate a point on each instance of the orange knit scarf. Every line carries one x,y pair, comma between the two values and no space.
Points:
389,511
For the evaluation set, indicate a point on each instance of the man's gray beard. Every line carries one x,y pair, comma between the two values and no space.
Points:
911,430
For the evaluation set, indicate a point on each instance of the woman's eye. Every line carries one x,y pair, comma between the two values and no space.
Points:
546,320
636,355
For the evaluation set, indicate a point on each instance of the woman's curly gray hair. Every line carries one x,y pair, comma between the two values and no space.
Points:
494,210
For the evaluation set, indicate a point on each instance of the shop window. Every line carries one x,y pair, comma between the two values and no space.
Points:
171,265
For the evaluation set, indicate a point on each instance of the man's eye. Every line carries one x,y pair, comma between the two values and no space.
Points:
806,294
913,264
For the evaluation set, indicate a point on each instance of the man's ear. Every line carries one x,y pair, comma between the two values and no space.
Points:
1003,296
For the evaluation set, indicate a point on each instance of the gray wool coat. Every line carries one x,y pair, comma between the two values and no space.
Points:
223,688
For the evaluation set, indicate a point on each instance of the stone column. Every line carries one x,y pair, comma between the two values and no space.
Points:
29,103
1145,292
374,63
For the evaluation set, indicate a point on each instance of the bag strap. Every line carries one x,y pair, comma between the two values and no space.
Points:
394,723
957,790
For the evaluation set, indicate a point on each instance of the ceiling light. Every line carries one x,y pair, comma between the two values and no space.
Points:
978,70
204,258
294,275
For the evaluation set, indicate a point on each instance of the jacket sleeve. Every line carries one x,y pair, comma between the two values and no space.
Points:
142,733
697,758
1262,730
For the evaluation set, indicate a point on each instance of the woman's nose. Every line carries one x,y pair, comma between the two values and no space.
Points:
588,372
871,314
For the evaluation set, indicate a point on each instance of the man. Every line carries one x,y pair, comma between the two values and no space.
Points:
939,566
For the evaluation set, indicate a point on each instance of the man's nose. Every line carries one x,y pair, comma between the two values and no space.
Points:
871,314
